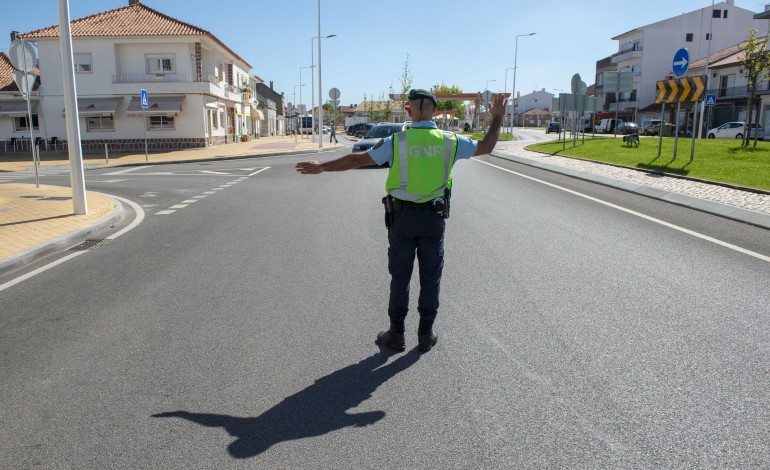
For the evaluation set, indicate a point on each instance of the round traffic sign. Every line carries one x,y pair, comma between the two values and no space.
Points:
334,93
487,96
681,62
22,57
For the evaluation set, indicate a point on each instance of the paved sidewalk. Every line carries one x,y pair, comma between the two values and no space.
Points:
34,220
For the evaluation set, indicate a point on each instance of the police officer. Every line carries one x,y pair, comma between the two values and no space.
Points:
419,189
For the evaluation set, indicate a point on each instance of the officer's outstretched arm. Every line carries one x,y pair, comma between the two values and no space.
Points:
348,162
496,111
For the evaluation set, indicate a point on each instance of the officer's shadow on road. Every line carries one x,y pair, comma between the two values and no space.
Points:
319,409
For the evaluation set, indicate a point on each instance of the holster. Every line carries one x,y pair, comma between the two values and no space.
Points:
392,205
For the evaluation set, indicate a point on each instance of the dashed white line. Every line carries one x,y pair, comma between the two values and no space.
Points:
189,201
164,212
179,206
121,172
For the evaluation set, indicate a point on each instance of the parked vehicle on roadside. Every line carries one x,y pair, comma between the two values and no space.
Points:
553,126
606,126
626,128
356,127
734,130
362,129
649,127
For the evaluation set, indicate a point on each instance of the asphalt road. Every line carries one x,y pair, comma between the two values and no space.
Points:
237,331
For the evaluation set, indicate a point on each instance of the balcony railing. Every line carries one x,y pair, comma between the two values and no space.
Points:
153,78
739,91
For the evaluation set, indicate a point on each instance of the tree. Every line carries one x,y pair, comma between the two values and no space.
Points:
369,107
452,106
387,111
755,65
406,80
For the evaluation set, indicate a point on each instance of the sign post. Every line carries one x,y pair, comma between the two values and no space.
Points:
23,57
145,105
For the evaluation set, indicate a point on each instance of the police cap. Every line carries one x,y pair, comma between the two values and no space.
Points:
416,94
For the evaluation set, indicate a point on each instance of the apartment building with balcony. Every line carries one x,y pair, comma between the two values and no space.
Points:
200,91
729,84
648,51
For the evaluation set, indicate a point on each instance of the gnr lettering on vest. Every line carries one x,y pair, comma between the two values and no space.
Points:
420,151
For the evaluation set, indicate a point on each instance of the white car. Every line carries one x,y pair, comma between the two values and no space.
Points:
734,130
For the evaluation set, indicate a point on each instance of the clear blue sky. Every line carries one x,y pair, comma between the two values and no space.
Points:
462,43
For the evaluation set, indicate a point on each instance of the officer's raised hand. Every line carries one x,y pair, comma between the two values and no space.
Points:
496,112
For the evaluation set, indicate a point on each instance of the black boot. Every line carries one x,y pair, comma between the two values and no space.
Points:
426,337
393,338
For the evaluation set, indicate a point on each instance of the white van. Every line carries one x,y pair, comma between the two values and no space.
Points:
606,126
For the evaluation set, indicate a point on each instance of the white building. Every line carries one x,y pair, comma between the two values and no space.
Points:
535,100
200,92
648,51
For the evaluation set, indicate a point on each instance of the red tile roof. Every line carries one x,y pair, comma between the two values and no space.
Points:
130,21
6,76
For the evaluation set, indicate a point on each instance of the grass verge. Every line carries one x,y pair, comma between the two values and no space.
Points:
723,161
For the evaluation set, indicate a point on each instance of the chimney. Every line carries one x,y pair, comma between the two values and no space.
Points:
134,2
14,35
271,84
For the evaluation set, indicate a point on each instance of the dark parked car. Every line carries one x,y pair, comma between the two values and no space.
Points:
361,131
626,128
352,130
553,127
376,134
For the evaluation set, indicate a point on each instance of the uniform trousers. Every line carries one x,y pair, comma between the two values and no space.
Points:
415,230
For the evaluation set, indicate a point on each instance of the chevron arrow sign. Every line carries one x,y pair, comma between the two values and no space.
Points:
681,90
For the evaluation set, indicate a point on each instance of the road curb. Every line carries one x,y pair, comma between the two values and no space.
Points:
68,240
737,214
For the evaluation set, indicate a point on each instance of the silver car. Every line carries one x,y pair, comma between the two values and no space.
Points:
376,134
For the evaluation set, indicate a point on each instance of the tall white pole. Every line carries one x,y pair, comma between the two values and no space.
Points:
706,71
320,88
515,59
312,86
77,178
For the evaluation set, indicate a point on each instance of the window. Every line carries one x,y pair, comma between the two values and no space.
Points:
21,124
214,121
221,119
708,36
724,15
716,13
82,62
160,63
688,37
160,123
100,123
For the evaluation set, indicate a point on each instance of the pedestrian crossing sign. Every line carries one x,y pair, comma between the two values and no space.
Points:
711,100
145,100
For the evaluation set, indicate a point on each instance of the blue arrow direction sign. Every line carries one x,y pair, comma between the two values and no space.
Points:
681,62
711,100
145,99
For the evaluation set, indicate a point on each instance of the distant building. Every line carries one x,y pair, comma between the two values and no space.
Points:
536,100
648,51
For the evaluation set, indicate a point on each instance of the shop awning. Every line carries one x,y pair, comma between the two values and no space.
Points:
158,106
88,107
98,106
15,108
257,114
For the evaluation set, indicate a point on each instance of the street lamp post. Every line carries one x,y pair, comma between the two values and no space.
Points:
320,87
505,90
515,57
295,106
300,90
312,78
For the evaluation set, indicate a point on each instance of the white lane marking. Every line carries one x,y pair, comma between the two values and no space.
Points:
164,212
139,217
179,206
121,172
217,189
189,201
259,171
199,197
215,172
209,192
638,214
